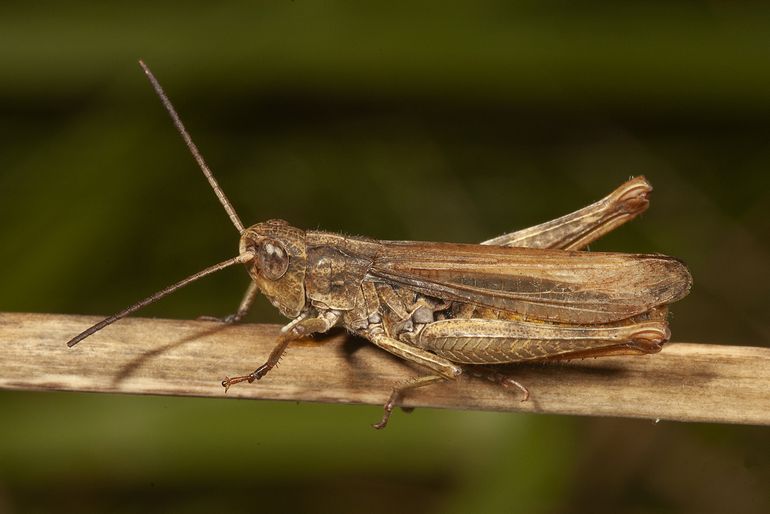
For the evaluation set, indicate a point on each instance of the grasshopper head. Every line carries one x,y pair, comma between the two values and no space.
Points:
278,267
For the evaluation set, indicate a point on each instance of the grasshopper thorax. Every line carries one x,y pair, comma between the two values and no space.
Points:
278,267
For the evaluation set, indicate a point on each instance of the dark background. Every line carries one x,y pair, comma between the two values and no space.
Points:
444,121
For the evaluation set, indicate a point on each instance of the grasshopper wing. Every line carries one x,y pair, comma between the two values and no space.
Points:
552,285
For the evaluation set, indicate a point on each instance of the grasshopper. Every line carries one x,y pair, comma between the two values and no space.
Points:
455,309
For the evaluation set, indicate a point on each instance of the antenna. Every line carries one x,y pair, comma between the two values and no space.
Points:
241,259
193,149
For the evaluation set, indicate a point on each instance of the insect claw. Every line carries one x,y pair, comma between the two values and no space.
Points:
384,421
227,382
227,320
388,408
508,382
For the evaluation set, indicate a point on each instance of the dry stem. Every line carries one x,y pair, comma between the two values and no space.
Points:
686,382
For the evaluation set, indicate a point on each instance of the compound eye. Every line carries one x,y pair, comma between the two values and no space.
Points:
272,259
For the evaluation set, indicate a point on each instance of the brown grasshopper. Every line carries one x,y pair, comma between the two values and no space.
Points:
525,296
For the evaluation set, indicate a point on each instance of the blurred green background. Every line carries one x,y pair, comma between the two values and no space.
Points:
451,121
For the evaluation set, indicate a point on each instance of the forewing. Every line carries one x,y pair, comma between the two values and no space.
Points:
553,285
